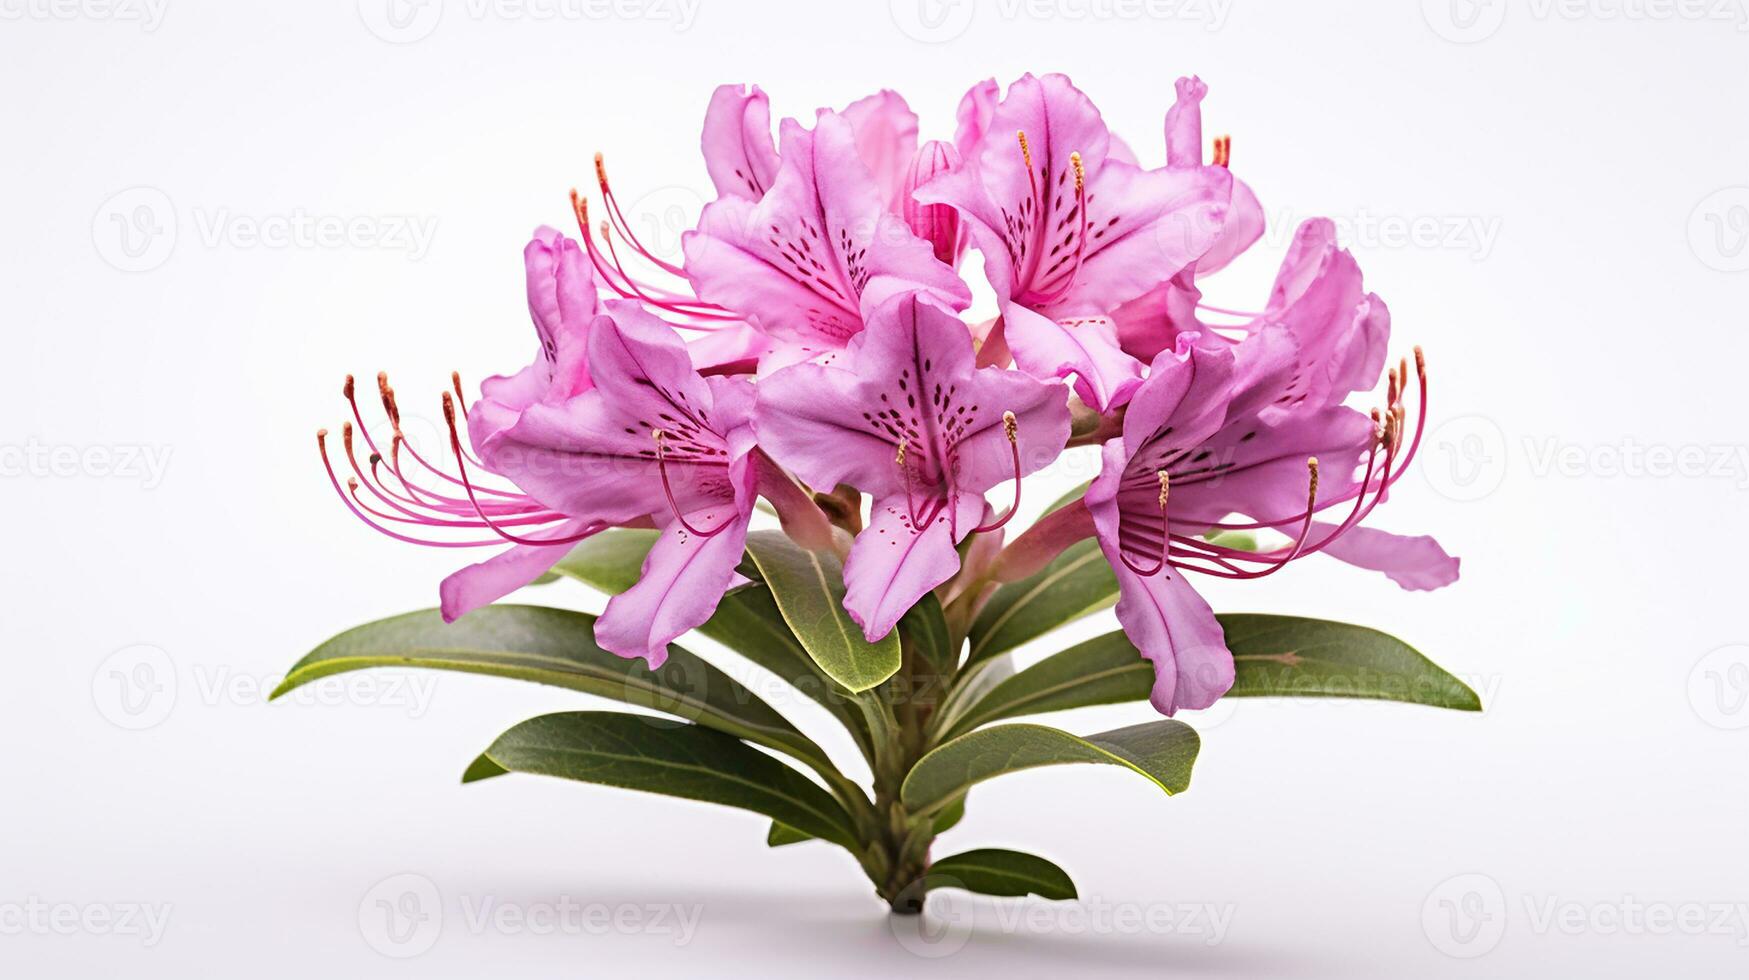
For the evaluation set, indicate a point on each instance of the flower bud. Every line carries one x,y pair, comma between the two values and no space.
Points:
937,224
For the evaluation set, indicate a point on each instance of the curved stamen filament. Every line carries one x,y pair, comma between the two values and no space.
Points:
1165,539
662,467
1273,562
624,226
1008,428
455,443
1081,233
322,447
614,274
918,523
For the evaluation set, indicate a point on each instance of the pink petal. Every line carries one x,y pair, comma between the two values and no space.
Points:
1415,563
1161,614
818,250
892,564
738,152
488,581
976,109
684,577
1184,124
886,139
1086,348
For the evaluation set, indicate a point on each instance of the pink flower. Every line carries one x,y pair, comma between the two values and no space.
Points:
1255,430
914,423
627,433
811,257
1070,229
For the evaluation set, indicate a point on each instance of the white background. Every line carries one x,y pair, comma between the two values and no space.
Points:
1553,199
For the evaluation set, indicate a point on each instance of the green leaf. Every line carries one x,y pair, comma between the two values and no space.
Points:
1273,656
993,871
482,768
610,561
926,628
781,835
973,683
809,589
1236,540
1104,670
950,815
1161,751
747,621
1077,583
688,761
557,647
1288,656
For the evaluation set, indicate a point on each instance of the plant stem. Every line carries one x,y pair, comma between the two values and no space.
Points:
902,844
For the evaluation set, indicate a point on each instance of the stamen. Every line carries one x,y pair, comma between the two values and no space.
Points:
388,396
1274,562
1025,150
624,226
918,522
1009,428
1081,235
621,282
1223,150
455,444
322,447
1165,538
662,467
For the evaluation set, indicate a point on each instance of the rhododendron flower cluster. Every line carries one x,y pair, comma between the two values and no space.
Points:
813,351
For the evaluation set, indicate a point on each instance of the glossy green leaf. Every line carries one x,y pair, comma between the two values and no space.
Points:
1077,583
975,681
610,561
1162,751
747,621
780,835
925,628
1273,656
993,871
1104,670
1288,656
557,647
809,589
635,752
949,816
